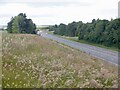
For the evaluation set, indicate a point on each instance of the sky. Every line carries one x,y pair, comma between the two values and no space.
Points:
50,12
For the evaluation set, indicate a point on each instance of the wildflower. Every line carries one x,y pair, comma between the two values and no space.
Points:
8,85
12,83
69,82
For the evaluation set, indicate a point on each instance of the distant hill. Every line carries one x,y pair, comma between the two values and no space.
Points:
3,26
44,25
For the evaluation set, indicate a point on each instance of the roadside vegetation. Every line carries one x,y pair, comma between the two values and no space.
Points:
90,43
31,61
84,42
102,32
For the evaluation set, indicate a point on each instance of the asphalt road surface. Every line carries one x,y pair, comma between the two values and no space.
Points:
105,54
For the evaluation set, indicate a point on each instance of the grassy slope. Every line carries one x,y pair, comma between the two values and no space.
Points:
32,61
0,59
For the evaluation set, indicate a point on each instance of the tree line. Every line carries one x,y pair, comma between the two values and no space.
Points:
98,31
20,24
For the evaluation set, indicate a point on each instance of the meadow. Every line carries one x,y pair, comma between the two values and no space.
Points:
30,61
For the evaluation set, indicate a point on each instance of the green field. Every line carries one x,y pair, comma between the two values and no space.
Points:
31,61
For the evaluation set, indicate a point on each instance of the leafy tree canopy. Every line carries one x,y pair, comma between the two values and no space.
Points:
98,31
20,24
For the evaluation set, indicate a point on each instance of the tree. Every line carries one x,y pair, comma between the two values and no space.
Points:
62,29
9,27
71,28
15,25
20,24
30,26
102,32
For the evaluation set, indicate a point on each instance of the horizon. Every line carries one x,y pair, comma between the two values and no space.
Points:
51,12
67,23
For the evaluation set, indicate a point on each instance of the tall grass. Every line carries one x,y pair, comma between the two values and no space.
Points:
31,61
0,59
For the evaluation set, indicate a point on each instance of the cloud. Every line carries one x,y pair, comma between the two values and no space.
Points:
57,4
49,3
58,11
39,1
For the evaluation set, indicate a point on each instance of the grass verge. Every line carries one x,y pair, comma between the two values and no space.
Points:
0,59
85,42
31,61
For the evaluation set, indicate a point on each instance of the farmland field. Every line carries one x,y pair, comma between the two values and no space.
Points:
31,61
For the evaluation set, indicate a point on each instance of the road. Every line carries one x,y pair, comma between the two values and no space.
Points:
104,54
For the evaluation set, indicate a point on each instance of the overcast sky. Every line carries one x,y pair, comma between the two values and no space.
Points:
50,12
